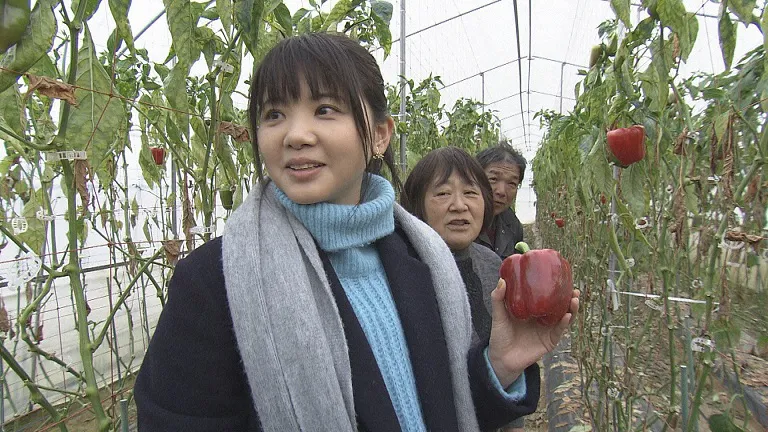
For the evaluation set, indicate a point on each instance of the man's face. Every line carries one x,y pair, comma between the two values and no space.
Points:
505,180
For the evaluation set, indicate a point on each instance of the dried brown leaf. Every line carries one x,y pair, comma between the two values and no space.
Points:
172,250
83,174
675,46
51,88
237,132
728,173
133,252
188,216
5,322
680,143
752,190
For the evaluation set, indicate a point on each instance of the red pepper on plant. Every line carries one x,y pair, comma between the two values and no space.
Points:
158,154
560,222
626,145
539,285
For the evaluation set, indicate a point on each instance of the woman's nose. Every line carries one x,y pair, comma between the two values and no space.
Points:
299,134
458,203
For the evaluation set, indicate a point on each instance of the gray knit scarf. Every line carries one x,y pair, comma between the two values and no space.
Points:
288,329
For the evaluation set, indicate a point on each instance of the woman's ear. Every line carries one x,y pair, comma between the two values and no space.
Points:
382,135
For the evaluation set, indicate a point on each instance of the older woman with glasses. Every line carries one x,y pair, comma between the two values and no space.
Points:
505,168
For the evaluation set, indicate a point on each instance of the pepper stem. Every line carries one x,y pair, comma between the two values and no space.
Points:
522,247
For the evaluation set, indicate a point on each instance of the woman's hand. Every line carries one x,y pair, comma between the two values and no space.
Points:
517,344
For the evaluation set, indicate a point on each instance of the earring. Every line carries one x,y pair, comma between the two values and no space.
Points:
378,156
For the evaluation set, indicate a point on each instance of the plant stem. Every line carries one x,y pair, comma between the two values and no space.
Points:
34,392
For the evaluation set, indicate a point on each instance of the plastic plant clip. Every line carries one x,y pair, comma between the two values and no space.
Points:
66,155
44,217
701,344
201,230
670,189
27,267
642,223
613,392
696,284
614,218
225,67
19,225
730,245
630,262
654,304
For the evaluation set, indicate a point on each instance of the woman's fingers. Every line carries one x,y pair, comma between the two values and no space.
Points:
498,309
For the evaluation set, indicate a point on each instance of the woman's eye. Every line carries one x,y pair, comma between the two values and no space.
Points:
326,109
442,193
271,115
472,192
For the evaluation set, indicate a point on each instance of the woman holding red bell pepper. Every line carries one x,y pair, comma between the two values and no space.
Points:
449,190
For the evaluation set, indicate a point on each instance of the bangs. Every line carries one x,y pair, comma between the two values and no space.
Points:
455,162
314,61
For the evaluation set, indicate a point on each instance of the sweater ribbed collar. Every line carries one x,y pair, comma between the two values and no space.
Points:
337,227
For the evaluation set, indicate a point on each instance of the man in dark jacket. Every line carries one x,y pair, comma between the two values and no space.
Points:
505,168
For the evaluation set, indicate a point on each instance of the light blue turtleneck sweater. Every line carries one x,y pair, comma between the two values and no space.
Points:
347,233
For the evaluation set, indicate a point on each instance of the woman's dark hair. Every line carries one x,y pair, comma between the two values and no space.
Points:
503,152
435,168
331,64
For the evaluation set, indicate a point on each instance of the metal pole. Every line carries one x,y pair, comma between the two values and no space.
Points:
173,204
684,394
124,415
2,396
612,260
562,73
482,82
403,147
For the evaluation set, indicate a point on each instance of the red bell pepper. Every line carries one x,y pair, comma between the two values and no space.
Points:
627,145
158,154
560,222
539,285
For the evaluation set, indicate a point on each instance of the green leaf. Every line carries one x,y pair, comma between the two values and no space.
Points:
176,93
34,44
248,18
182,21
230,81
727,30
210,14
283,17
149,169
742,9
298,15
11,114
95,124
383,34
119,10
688,38
225,13
35,233
224,155
91,6
338,13
633,181
621,9
764,26
672,14
384,10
